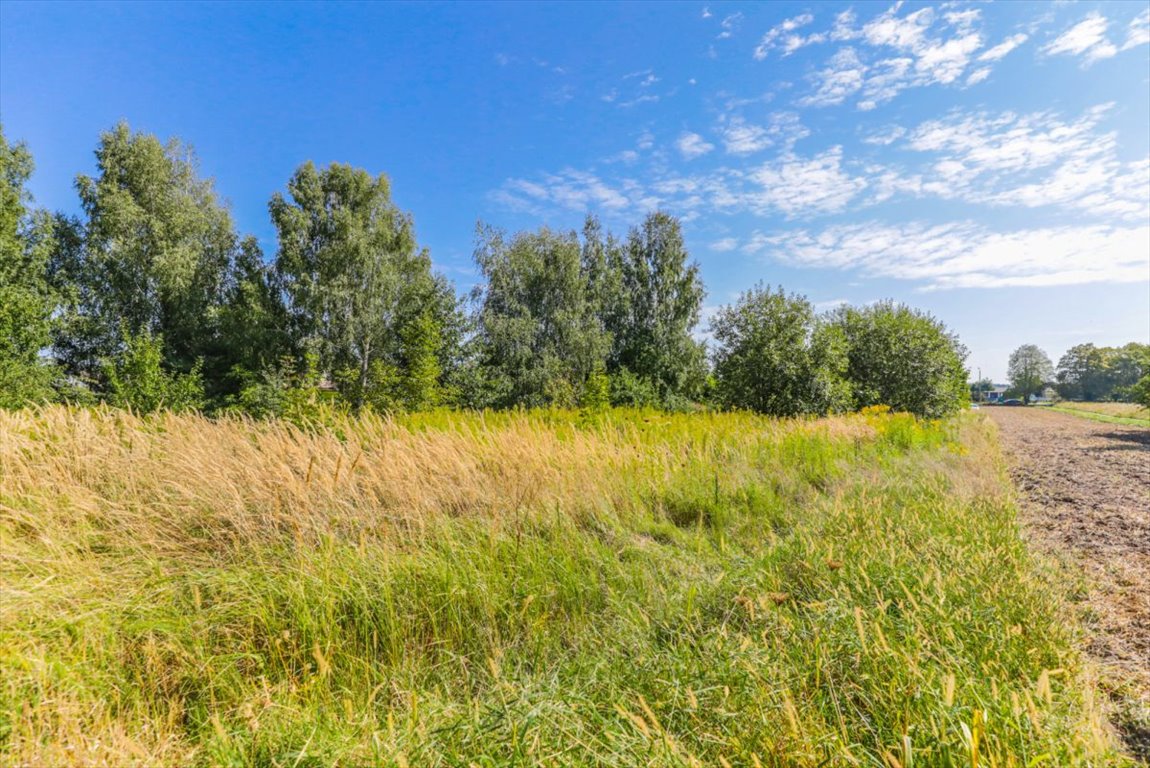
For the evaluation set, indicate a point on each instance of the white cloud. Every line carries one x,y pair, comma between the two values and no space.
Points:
844,26
729,25
829,304
743,138
886,136
570,189
646,98
707,12
692,145
1002,49
724,245
627,156
1087,38
978,75
794,185
965,255
843,77
1138,33
783,35
1031,161
898,52
905,32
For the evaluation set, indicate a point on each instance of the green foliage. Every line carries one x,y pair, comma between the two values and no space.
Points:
774,356
137,378
1088,372
255,334
540,339
658,308
152,255
355,279
1029,370
596,394
287,391
420,344
1140,392
631,391
26,299
904,358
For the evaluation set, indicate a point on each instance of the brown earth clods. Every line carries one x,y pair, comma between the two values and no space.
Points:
1084,488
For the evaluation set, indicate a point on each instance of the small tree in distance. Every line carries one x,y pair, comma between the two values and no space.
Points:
1029,369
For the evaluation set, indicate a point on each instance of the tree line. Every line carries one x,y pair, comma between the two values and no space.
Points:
1085,372
150,298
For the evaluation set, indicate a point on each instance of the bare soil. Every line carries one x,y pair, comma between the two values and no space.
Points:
1085,493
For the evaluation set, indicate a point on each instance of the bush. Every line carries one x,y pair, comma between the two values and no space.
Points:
284,392
904,358
775,356
631,391
138,380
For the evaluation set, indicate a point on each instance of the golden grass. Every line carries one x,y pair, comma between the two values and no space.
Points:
1120,410
523,589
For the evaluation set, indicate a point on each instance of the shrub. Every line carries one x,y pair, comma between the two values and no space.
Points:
774,356
903,358
137,378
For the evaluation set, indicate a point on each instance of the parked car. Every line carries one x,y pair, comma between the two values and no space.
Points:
1012,401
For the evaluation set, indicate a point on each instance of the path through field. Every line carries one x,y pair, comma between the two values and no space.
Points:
1085,489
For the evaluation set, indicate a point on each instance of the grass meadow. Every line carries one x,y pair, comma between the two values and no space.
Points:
1117,413
537,589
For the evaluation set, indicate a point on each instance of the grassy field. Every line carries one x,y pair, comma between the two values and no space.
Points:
1115,413
632,589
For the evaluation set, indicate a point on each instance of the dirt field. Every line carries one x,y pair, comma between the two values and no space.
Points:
1085,488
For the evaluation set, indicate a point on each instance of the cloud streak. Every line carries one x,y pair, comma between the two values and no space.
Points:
966,255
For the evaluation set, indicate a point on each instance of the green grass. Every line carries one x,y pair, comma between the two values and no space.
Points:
1104,417
628,589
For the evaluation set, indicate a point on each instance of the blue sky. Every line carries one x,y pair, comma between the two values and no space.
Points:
987,162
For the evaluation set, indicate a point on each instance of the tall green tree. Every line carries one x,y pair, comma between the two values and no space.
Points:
1125,367
662,296
1029,370
150,258
353,276
602,264
254,332
773,355
1080,373
903,358
539,335
26,298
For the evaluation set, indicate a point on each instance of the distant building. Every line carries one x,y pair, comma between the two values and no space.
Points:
996,395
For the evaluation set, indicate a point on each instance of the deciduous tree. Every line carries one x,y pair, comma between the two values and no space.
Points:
150,258
1029,370
662,297
26,300
904,358
775,356
353,274
540,337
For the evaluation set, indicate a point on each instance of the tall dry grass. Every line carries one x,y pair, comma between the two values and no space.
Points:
530,589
